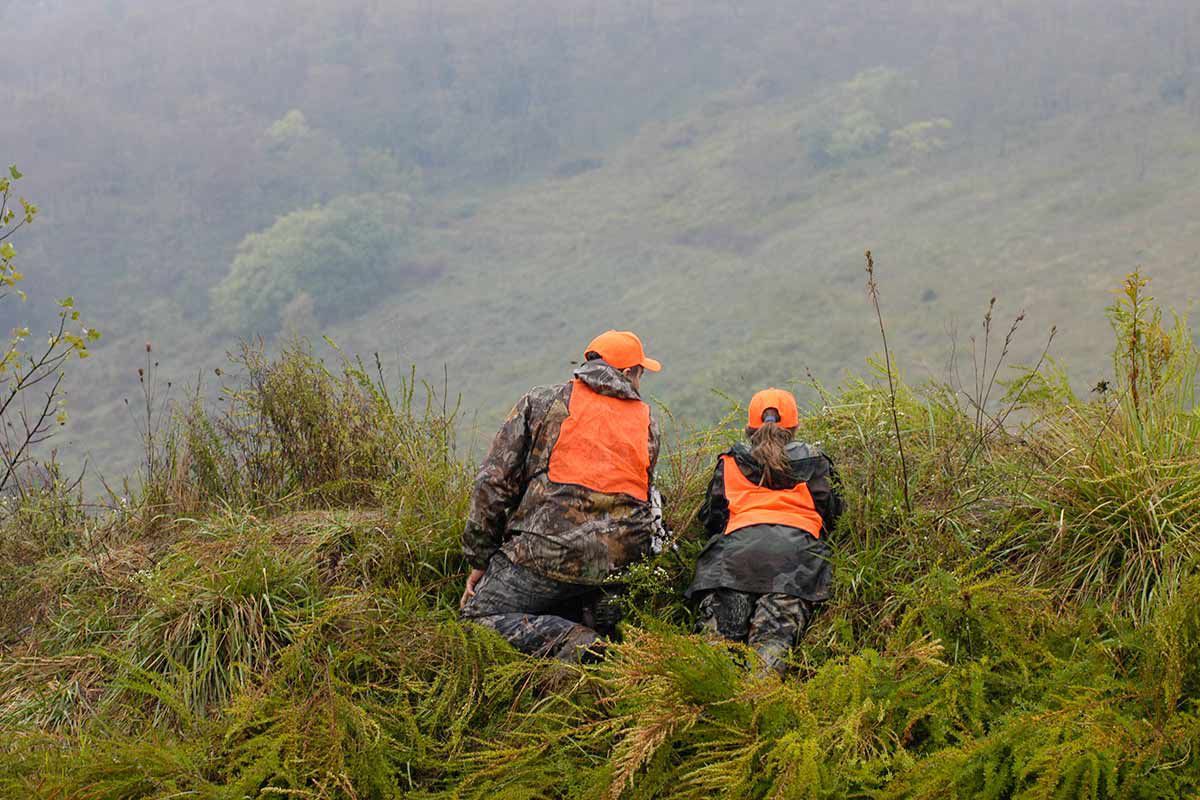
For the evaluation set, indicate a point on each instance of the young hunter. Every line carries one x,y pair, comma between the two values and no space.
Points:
769,509
561,502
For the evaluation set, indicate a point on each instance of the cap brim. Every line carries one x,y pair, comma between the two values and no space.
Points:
651,364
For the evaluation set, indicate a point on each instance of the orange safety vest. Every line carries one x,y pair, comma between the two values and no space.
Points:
604,444
751,504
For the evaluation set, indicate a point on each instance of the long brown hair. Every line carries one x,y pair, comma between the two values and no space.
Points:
767,447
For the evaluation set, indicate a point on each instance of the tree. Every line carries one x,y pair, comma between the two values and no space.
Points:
919,139
861,113
343,255
32,400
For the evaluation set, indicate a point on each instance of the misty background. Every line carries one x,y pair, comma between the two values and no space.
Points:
480,186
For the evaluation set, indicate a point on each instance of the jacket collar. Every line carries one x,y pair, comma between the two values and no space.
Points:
802,458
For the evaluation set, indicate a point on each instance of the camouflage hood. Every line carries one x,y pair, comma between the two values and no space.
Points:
606,379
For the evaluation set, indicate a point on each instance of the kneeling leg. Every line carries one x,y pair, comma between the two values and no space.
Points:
542,635
778,622
529,610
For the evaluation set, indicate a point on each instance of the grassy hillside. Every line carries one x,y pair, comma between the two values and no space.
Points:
739,262
273,614
739,259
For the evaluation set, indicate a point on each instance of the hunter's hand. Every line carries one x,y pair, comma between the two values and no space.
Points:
472,580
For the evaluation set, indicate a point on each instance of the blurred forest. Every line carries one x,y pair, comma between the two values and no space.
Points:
481,185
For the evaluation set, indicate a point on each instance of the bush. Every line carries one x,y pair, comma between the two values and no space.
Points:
342,256
293,430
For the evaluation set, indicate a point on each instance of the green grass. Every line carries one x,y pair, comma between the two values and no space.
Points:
1121,473
1030,630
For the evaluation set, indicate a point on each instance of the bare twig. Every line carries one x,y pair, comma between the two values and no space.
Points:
33,433
981,370
35,426
997,424
1008,339
39,368
1037,368
813,382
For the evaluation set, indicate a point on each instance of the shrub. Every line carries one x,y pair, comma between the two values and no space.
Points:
292,429
343,255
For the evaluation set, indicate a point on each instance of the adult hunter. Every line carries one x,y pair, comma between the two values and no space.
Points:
562,502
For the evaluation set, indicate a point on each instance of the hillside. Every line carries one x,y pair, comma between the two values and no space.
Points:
475,187
740,264
274,614
715,239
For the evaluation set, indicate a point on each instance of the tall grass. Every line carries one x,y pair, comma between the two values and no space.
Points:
291,430
218,608
288,629
1117,489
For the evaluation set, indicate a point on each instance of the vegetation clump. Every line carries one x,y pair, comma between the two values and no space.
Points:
321,260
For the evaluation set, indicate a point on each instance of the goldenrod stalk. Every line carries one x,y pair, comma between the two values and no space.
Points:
873,291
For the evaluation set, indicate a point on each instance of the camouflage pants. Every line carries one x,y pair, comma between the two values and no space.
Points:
539,615
772,624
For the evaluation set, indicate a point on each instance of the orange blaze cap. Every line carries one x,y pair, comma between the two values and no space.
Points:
782,401
622,349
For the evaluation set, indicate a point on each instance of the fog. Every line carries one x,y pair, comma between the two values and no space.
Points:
482,185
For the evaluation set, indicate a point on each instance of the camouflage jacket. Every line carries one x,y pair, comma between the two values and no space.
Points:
562,531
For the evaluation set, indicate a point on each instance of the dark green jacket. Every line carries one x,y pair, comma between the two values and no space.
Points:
770,559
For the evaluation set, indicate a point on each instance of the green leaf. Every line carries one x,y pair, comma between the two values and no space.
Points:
16,173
